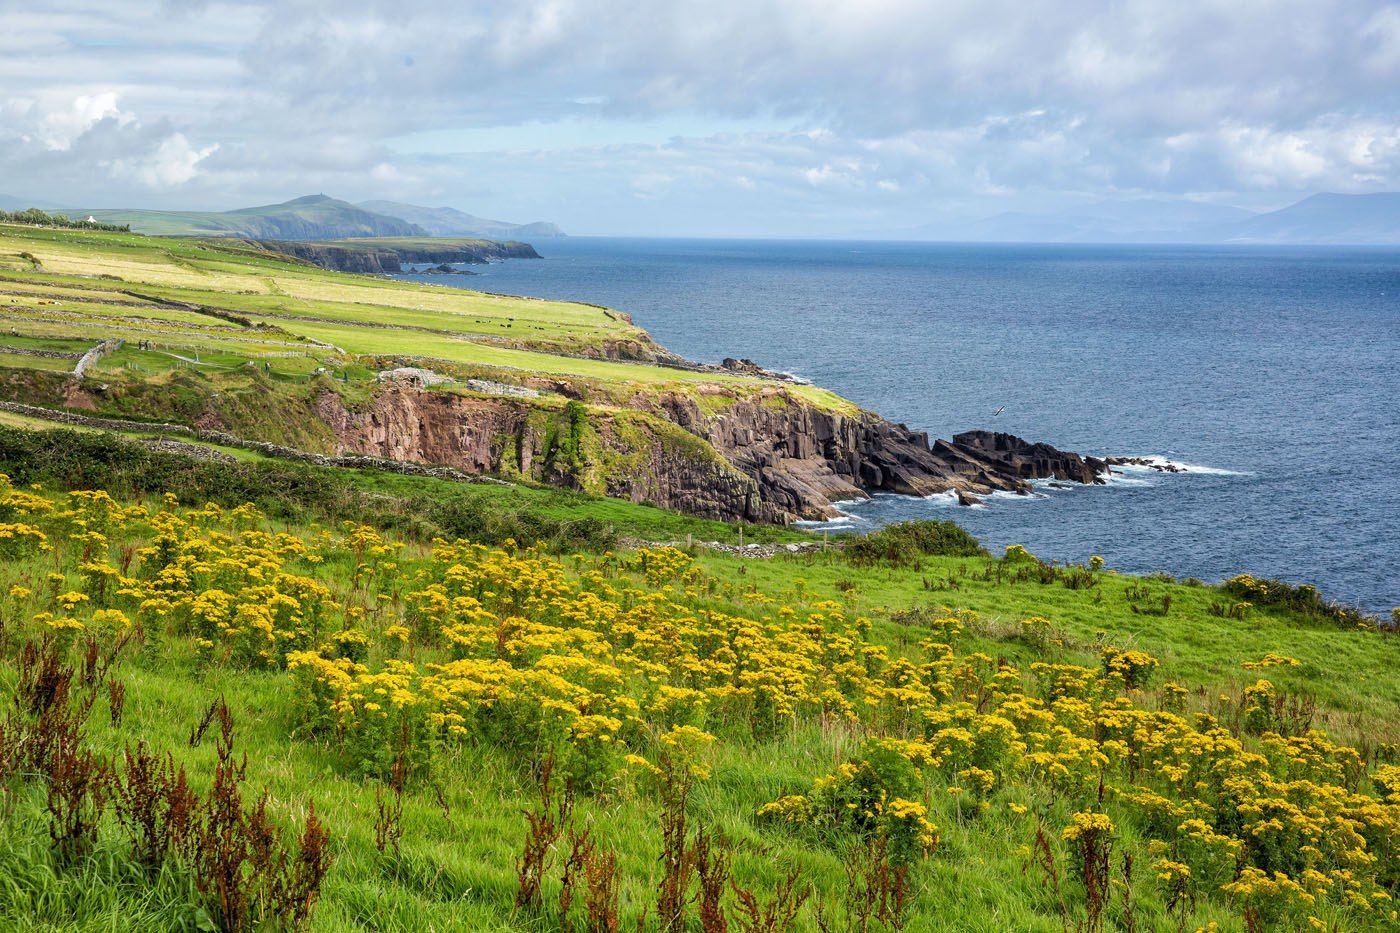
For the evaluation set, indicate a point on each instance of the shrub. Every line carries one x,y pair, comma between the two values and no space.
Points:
1135,667
904,543
1304,598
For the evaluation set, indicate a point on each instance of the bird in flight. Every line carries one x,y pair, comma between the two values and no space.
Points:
999,411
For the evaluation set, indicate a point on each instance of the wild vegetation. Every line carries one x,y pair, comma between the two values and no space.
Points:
450,733
243,692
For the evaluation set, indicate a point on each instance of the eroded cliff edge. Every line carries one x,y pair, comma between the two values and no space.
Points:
770,457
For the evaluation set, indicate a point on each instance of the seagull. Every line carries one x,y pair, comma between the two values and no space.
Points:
999,411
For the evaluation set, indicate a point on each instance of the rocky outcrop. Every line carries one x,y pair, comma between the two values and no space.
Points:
1151,463
383,259
1026,460
213,436
804,459
772,458
769,458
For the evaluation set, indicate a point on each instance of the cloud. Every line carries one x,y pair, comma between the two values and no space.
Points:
54,137
880,111
172,162
59,127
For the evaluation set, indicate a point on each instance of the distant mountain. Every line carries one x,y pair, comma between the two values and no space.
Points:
1145,220
1360,219
448,221
10,203
314,217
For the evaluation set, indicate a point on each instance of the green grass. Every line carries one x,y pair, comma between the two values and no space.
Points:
356,313
234,277
88,458
463,830
1355,675
22,361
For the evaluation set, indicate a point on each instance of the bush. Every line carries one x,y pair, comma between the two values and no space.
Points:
904,543
485,522
1304,598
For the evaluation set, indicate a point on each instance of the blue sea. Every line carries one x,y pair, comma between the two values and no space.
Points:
1271,373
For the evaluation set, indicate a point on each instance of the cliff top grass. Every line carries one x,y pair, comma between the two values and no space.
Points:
73,284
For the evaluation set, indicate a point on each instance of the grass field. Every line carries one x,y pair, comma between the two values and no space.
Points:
234,277
980,713
113,285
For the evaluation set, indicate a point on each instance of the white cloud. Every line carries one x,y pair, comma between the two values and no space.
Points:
910,105
171,163
61,125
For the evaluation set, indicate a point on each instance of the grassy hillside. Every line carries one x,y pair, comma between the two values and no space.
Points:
230,336
314,217
504,737
82,283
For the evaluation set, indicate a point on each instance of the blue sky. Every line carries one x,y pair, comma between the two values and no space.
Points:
735,117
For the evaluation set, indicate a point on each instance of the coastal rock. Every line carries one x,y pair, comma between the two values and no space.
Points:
804,458
1026,460
1161,466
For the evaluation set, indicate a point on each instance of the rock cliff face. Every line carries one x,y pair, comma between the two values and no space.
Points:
772,459
804,459
385,260
511,437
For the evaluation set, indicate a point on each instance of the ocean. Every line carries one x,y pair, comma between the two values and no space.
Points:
1272,374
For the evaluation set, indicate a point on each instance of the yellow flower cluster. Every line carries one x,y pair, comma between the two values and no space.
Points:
204,572
1291,808
596,662
1086,823
1270,660
633,663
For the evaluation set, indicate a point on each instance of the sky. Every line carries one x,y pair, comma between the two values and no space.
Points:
731,117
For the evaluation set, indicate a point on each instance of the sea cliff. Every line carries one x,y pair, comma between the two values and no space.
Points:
387,258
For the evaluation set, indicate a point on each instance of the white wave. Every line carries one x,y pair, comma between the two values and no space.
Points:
842,521
1001,495
841,504
832,524
1117,478
1159,464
